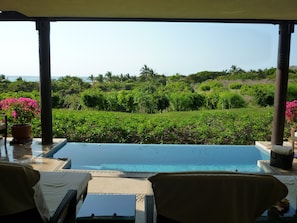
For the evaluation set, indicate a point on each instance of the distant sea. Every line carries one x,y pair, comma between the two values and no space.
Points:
36,78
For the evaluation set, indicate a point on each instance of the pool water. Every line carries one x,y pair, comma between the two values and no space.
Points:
162,157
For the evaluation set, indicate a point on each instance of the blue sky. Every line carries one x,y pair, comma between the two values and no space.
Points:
85,48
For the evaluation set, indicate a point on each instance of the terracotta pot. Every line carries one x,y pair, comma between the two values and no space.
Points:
21,132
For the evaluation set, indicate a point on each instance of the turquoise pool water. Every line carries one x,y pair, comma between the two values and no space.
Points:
162,157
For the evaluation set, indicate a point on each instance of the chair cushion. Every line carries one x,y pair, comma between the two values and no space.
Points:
215,196
16,187
40,203
55,185
291,183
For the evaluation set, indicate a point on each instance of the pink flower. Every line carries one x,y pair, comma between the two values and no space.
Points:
22,110
14,114
291,112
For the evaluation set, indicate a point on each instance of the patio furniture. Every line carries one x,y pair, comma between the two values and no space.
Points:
28,195
54,184
214,196
271,216
118,208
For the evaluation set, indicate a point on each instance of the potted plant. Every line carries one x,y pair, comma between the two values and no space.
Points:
21,113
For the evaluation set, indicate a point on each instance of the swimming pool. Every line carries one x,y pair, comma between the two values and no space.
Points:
162,157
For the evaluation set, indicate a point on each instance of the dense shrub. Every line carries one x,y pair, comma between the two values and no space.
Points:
203,76
264,95
112,102
162,102
215,84
233,126
211,100
197,101
235,85
229,100
292,92
57,101
247,90
204,87
93,99
145,103
126,101
180,101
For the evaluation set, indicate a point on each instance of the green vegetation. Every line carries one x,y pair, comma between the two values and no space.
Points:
227,107
233,126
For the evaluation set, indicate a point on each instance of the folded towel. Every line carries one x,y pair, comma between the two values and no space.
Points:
284,150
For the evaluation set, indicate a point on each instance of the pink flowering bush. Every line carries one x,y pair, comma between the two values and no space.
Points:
21,110
291,113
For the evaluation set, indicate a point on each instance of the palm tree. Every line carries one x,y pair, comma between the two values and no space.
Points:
91,78
108,76
147,73
99,78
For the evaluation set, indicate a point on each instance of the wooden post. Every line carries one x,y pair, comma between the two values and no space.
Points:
285,30
43,26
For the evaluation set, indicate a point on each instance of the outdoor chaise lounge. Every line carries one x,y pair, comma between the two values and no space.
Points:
28,195
212,197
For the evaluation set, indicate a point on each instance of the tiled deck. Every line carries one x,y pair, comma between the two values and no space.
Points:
104,182
33,154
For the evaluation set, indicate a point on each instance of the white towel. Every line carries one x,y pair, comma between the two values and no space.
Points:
284,150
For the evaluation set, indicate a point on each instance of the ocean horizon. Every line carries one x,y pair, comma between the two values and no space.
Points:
36,78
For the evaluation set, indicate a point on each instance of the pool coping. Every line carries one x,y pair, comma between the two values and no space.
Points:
34,153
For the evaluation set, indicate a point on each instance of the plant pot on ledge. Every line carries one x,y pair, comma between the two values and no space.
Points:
20,111
21,133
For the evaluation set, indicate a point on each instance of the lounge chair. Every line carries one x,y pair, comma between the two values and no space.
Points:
212,197
28,195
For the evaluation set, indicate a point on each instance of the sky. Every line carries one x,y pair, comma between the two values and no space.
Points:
92,48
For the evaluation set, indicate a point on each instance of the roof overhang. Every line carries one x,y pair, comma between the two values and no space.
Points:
265,11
